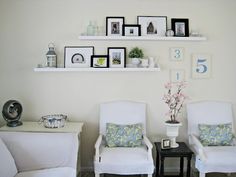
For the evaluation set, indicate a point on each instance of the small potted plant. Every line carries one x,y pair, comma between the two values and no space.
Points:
136,54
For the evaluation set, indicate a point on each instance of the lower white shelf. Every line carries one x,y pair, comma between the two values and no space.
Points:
96,69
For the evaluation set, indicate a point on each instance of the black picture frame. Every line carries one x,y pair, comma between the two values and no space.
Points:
180,26
99,64
131,30
152,25
114,26
165,143
78,56
118,54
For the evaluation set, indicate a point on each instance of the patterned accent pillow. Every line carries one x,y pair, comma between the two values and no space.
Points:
124,135
216,135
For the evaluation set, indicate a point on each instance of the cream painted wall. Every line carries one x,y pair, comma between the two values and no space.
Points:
27,26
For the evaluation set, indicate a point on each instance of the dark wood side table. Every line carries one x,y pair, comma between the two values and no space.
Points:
181,152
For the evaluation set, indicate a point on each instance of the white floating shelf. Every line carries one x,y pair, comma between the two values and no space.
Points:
141,38
96,69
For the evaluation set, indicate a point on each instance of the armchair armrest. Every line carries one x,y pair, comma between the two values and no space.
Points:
97,147
198,147
149,146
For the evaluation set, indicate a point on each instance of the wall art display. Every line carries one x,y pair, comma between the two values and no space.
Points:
177,75
117,57
180,27
99,61
77,56
201,65
176,53
114,26
153,25
131,30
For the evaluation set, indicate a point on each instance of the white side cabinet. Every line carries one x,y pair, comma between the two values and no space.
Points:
70,127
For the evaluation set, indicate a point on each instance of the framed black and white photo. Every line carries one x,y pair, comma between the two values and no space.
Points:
153,25
117,57
99,61
114,26
166,143
131,30
180,27
77,56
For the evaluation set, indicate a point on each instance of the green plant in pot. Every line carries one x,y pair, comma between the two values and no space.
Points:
136,54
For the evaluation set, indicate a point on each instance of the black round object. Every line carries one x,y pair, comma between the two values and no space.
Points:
11,112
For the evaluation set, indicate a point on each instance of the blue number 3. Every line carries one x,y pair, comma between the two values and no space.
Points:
201,67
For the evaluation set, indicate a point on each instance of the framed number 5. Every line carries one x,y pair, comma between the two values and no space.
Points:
201,66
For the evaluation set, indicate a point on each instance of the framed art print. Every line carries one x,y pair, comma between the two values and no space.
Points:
201,66
165,143
177,75
131,30
176,54
99,61
153,25
117,57
114,26
77,56
180,27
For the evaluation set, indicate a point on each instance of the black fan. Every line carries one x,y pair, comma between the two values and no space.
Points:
11,112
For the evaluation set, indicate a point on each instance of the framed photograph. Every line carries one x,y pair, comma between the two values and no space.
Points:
177,75
99,61
176,54
117,57
201,66
180,27
77,56
166,143
114,26
131,30
153,25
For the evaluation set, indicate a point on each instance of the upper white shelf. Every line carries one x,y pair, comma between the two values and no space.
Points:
96,69
142,38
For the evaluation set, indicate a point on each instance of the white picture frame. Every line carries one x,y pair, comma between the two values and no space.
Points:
152,25
201,66
78,56
177,75
114,26
176,53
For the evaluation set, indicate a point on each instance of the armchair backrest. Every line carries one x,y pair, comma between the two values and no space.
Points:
208,112
122,112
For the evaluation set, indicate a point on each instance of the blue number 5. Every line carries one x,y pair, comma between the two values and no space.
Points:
201,67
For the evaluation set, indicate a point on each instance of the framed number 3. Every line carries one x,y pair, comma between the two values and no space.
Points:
176,54
201,66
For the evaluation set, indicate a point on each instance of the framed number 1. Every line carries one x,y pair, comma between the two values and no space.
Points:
176,53
201,66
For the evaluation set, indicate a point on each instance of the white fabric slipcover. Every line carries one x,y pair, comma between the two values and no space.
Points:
212,158
7,163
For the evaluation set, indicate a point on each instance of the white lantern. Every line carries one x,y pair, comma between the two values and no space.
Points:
51,56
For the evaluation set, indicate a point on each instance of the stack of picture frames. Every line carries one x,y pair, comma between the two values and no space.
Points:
146,26
84,57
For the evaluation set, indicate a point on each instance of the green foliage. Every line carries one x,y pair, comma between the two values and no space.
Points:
136,53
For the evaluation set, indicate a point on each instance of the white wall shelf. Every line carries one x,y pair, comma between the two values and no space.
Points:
96,69
141,38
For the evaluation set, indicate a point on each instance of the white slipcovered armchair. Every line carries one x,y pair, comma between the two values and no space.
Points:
123,160
210,158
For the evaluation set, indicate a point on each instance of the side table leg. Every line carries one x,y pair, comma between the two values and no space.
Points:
162,167
189,166
157,164
181,174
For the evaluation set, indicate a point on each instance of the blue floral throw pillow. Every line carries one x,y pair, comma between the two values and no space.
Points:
216,135
123,135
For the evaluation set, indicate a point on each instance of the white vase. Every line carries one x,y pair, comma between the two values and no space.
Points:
135,61
172,131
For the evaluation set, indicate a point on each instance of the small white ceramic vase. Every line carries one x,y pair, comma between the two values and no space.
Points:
144,63
172,131
135,61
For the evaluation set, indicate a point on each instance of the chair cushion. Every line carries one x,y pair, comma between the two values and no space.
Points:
123,135
124,160
7,163
216,135
51,172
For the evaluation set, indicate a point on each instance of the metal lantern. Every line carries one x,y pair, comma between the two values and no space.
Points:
51,56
